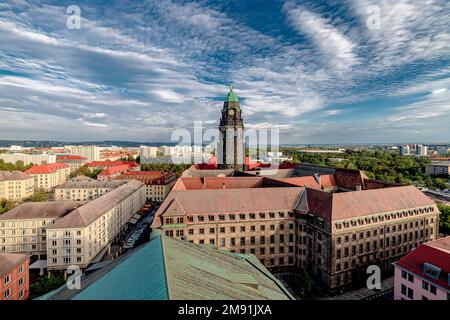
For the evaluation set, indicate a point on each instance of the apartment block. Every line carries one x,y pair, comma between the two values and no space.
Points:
424,274
438,168
23,229
158,184
14,276
37,159
49,176
16,185
88,231
82,188
92,153
74,162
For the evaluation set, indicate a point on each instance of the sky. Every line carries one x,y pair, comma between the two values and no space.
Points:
347,71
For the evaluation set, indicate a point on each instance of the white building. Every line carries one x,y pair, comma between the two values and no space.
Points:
92,153
421,150
148,152
37,159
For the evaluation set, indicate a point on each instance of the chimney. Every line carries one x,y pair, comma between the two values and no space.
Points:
223,185
358,187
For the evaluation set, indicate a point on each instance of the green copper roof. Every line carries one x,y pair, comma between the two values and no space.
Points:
141,276
231,96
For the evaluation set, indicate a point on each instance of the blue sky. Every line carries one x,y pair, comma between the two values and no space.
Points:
138,70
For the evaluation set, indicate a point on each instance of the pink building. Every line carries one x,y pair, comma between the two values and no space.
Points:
423,274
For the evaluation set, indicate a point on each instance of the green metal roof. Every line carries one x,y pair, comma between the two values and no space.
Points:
231,96
141,276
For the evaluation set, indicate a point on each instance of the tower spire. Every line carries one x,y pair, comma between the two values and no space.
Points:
231,86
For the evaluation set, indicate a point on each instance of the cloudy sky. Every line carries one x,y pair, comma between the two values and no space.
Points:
320,71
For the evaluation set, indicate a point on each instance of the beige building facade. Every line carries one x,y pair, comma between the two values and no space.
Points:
82,188
16,185
87,232
23,229
49,176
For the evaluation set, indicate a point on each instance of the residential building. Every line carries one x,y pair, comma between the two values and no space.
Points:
23,229
96,165
158,184
442,150
14,276
38,159
74,162
424,273
16,185
148,152
405,150
82,188
170,269
86,233
111,173
334,229
49,176
92,153
441,168
421,150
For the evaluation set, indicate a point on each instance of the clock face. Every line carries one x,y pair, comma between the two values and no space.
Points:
231,112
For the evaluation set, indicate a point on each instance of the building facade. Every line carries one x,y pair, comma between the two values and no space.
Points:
14,276
333,233
92,153
75,162
438,168
82,188
157,184
23,229
88,231
231,147
37,159
16,185
49,176
424,274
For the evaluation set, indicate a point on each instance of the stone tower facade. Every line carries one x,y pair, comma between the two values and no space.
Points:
231,147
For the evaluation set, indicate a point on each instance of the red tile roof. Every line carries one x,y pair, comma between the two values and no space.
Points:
348,179
143,173
106,164
437,253
114,170
198,183
46,168
326,181
347,205
70,157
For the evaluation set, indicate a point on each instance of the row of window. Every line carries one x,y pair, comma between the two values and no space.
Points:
425,285
382,217
241,229
376,232
232,217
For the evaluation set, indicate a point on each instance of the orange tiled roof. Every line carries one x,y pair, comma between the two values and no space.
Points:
46,168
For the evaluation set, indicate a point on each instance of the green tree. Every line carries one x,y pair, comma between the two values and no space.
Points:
444,218
39,195
6,205
45,285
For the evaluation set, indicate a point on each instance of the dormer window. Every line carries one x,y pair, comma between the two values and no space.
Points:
432,270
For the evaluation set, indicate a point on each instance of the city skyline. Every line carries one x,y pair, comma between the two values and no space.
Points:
313,69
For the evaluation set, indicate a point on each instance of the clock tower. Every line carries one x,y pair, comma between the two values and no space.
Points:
231,147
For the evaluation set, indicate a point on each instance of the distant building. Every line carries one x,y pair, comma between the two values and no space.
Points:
49,176
148,152
16,185
111,173
82,188
405,150
158,184
170,269
86,233
23,229
92,153
38,159
102,165
424,274
14,276
438,168
75,162
421,150
442,150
